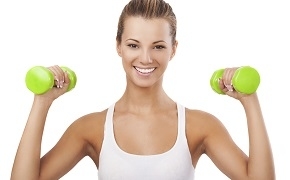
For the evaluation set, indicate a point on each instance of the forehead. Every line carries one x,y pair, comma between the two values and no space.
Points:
150,29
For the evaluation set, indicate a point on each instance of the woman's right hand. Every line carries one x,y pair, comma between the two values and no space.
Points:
61,83
27,163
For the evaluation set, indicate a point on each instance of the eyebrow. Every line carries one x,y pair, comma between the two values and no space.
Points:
155,42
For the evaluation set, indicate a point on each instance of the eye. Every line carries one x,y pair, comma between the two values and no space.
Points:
132,46
159,47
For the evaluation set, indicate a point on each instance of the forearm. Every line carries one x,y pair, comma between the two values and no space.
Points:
27,160
260,164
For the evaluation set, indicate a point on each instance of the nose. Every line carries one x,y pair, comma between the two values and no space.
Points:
145,57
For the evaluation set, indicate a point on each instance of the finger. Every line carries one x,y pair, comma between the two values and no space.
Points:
54,72
58,75
66,78
61,75
227,78
221,84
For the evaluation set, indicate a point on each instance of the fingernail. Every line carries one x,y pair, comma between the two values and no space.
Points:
230,87
57,81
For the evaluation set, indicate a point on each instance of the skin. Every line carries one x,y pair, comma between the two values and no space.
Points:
145,118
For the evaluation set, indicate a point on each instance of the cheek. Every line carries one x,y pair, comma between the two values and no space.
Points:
129,56
161,57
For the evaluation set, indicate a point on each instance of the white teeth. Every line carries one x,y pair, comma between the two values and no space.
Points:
144,71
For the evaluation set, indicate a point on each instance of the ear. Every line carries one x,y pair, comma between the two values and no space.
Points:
174,47
118,48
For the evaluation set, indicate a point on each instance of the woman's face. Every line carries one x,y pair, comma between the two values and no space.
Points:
146,48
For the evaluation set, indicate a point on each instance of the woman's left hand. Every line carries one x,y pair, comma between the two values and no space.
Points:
226,85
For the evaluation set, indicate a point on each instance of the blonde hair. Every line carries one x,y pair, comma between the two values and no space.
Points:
148,9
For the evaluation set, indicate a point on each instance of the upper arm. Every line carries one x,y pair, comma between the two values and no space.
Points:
68,151
222,150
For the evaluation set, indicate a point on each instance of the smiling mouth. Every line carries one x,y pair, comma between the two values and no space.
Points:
144,70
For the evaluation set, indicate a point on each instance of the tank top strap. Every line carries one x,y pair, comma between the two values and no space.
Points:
181,122
109,131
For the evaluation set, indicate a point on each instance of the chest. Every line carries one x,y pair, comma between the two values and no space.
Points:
145,135
150,135
151,150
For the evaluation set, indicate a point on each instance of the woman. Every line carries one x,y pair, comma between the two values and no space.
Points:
145,134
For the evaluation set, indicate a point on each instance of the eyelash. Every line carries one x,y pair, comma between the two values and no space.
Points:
156,47
132,46
159,47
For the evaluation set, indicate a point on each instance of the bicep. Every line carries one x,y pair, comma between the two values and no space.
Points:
225,154
68,151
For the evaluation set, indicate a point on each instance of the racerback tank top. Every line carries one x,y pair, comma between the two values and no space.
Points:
116,164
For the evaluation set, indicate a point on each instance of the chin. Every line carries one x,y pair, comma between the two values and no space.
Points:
148,83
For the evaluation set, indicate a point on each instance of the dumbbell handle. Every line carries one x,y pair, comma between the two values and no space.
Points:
40,79
245,80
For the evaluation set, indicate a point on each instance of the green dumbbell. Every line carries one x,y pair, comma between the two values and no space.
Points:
40,79
245,80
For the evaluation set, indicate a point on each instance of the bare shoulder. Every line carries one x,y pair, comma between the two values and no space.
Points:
82,138
90,126
199,126
88,121
202,120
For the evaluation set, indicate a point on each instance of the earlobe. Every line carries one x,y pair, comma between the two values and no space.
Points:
174,49
118,48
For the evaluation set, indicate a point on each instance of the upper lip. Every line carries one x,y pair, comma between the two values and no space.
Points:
144,67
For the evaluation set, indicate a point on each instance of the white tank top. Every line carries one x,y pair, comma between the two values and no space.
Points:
116,164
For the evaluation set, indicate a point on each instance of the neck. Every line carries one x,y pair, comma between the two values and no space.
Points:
144,99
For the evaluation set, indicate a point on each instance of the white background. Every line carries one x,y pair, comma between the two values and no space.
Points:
81,35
